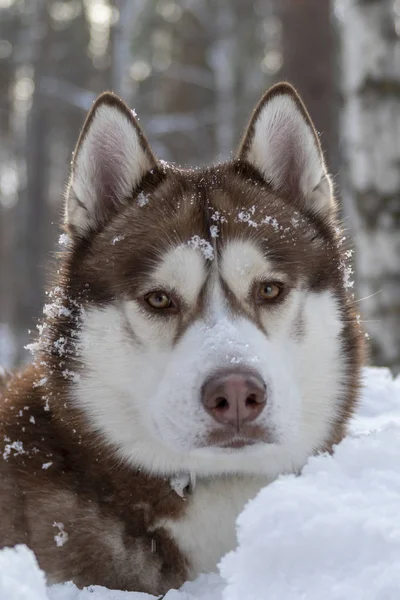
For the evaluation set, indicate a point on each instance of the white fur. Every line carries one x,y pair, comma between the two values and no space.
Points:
206,532
284,148
242,264
144,396
143,393
182,269
110,152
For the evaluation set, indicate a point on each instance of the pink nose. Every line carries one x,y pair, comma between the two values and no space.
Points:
234,397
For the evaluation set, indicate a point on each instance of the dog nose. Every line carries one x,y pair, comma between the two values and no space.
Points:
234,397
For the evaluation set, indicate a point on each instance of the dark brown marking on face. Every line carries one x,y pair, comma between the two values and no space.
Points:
235,307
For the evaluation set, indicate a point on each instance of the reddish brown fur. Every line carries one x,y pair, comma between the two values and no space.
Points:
107,509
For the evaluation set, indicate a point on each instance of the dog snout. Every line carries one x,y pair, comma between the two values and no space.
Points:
234,397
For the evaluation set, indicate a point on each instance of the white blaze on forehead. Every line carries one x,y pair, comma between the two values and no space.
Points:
182,269
242,263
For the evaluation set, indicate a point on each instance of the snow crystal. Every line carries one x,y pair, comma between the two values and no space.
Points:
347,272
275,224
60,345
56,309
17,447
271,221
57,290
164,165
203,245
295,220
64,239
46,466
46,403
33,347
61,537
71,375
40,383
32,420
218,216
117,239
142,199
245,216
214,231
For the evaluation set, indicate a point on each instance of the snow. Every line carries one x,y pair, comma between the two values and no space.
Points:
332,533
20,576
16,447
61,537
142,199
117,239
64,239
204,246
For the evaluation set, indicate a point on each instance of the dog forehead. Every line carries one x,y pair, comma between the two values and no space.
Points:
182,268
242,262
195,222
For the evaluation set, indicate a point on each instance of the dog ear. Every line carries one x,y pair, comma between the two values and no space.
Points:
111,158
281,142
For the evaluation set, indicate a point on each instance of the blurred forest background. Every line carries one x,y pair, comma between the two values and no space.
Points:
193,70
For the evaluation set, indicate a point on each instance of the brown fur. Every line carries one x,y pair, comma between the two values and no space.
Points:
56,469
107,510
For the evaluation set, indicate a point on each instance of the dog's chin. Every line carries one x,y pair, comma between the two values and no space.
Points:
237,442
228,439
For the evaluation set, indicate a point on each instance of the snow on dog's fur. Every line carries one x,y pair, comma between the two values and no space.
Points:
198,342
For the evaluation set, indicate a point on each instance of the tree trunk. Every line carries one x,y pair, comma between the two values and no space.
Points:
31,236
371,176
309,63
224,78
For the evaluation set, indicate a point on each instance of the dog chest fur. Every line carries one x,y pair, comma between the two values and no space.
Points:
206,531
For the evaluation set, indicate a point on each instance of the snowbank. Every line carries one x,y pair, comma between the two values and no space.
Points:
333,533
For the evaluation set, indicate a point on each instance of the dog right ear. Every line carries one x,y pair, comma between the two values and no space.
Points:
111,158
282,144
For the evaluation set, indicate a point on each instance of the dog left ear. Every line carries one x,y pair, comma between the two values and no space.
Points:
111,158
282,144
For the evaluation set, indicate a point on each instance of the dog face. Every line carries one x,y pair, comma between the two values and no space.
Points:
214,332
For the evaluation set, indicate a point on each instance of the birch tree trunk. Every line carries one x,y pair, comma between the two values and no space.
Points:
370,131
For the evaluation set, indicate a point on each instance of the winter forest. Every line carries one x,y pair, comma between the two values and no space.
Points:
193,70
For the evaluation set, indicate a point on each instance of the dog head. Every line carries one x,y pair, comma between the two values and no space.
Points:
215,334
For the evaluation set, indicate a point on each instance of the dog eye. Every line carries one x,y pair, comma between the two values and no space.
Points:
268,291
159,300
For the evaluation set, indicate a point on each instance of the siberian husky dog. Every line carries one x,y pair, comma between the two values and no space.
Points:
199,340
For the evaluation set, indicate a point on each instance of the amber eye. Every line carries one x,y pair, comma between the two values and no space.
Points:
269,290
159,300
